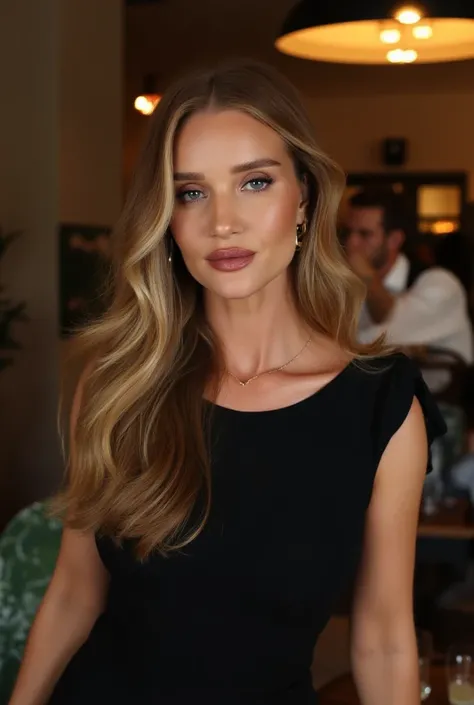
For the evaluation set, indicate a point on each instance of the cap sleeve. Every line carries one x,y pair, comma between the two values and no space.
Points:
400,382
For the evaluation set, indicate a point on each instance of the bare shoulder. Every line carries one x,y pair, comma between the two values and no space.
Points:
78,549
406,456
327,356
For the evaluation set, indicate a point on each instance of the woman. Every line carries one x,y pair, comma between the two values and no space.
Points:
234,451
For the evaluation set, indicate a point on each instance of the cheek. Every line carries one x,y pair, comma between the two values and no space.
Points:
372,246
277,220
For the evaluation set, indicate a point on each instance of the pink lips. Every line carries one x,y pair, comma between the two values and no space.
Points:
230,259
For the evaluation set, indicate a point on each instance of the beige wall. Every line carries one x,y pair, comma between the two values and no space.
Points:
60,160
437,126
29,198
91,109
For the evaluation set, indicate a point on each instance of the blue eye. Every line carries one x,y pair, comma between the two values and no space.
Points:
189,196
258,184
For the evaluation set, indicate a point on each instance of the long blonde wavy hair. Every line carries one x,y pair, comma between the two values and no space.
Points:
139,460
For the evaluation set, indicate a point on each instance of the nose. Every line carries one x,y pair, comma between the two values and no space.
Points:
225,217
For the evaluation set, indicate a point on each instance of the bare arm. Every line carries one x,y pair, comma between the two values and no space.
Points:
73,601
383,644
380,301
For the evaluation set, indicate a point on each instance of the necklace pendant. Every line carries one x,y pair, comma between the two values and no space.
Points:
268,372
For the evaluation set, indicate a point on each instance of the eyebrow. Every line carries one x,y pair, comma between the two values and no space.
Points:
238,169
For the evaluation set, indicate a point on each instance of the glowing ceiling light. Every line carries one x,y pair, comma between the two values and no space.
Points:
408,15
422,31
390,36
402,56
410,55
395,56
351,32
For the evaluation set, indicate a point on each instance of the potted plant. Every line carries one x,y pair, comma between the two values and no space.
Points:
10,311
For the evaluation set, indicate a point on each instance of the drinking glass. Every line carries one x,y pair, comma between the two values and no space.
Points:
425,648
460,674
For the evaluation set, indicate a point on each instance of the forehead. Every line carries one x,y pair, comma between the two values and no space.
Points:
227,136
368,218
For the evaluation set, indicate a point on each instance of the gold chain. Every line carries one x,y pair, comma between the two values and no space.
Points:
269,372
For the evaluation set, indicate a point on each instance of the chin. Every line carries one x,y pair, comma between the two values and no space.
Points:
237,286
233,291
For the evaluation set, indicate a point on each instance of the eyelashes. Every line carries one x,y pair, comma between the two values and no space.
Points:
264,182
188,196
192,195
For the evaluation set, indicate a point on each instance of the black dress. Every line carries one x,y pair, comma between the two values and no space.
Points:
233,618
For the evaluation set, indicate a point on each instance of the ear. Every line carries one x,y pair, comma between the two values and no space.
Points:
396,240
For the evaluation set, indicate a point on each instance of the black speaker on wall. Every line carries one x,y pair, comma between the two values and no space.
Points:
394,151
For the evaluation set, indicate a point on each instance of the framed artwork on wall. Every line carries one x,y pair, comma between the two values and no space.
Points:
84,265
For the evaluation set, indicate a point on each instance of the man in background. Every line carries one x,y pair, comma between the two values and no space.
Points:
414,304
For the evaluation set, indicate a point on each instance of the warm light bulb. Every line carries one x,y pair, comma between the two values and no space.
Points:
390,36
443,227
408,15
423,31
395,56
410,55
146,104
402,56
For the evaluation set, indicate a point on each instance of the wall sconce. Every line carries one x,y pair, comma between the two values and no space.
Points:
147,101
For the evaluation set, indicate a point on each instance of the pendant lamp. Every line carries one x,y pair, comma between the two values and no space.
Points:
379,31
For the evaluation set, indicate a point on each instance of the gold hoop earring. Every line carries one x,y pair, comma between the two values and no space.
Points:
300,231
170,251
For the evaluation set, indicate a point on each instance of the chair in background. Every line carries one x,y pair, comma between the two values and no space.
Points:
28,550
434,359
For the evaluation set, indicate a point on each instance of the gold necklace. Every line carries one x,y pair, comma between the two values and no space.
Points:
269,372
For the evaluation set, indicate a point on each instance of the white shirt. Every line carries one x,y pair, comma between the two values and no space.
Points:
431,312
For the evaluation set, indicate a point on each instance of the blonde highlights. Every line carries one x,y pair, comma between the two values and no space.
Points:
139,456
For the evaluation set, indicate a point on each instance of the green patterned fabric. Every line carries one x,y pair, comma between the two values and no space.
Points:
28,551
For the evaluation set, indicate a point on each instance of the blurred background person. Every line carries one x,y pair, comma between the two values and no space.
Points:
414,303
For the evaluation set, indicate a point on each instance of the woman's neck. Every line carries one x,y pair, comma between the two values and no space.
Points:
258,333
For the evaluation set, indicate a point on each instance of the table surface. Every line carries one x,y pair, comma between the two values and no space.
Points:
446,531
342,691
450,522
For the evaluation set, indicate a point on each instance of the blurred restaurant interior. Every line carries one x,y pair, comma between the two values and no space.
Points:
391,97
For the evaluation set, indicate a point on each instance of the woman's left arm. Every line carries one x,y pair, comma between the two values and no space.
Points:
383,641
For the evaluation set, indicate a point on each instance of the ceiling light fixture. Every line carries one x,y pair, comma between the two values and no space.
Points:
351,32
